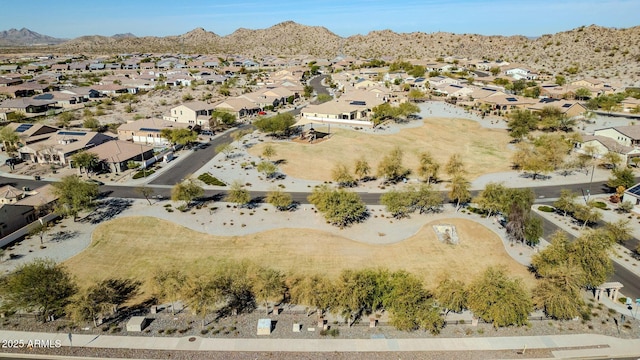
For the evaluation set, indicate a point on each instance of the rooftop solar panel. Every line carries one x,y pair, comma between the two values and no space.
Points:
488,89
635,190
358,102
511,99
150,129
23,128
456,86
566,105
72,133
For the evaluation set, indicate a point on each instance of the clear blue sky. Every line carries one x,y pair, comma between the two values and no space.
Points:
68,19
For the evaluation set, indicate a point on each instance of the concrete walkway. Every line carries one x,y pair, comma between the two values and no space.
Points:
586,345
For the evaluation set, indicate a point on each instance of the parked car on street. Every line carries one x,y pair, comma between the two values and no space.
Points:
13,161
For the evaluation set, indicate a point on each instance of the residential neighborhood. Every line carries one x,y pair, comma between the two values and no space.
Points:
198,199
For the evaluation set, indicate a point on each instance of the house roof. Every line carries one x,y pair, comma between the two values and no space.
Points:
608,143
235,104
198,105
28,130
9,192
154,124
632,131
23,103
40,196
563,105
67,142
117,151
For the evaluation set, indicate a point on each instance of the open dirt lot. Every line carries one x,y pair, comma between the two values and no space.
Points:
136,246
483,150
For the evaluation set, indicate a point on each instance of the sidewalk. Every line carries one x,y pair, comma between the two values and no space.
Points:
586,345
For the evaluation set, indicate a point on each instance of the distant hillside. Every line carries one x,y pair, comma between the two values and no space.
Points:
592,50
26,37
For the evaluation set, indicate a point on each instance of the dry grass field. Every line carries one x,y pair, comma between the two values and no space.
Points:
483,150
137,246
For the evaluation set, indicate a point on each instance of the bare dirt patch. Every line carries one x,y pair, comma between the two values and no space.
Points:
483,150
136,246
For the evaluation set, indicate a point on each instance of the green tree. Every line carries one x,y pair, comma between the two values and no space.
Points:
85,160
186,191
41,286
308,91
496,298
145,191
428,167
202,294
397,202
425,199
587,213
269,285
591,251
390,167
74,195
279,199
415,95
91,123
9,139
621,177
533,230
492,198
226,149
169,284
459,190
221,117
451,295
238,194
583,93
560,80
64,119
339,207
269,151
619,231
278,124
316,291
521,122
494,70
530,158
566,202
410,306
362,168
455,166
341,175
268,168
612,158
102,298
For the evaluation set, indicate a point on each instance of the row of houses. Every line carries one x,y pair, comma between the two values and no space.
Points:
44,144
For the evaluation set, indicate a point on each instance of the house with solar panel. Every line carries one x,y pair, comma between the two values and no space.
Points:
30,133
59,147
568,108
632,195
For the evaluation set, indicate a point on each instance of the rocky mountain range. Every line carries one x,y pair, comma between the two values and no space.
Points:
586,48
26,37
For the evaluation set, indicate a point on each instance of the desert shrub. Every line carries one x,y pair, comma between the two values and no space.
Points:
545,208
600,205
143,173
210,180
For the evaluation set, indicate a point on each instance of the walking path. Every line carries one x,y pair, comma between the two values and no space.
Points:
590,346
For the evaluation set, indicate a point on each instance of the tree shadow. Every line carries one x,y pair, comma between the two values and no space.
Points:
63,235
107,209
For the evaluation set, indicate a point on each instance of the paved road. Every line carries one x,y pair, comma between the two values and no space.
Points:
194,160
